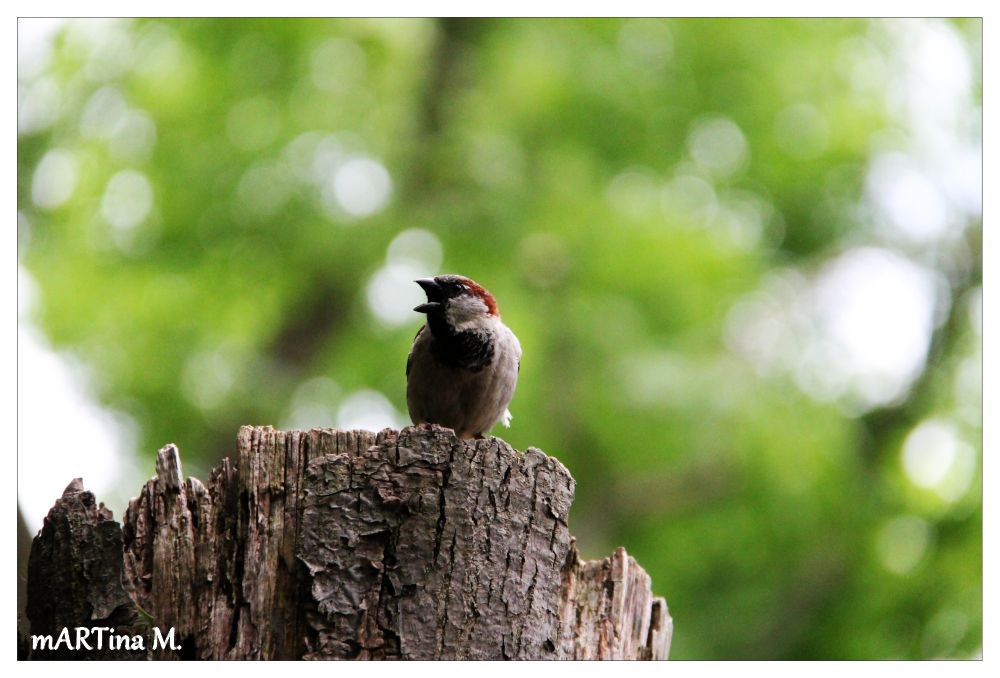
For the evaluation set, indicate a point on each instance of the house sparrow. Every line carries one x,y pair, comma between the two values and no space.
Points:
463,366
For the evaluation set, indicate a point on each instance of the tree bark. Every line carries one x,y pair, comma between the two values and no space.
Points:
331,544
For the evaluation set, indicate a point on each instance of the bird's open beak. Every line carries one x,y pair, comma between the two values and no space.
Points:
435,295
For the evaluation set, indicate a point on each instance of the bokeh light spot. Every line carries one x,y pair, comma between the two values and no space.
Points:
54,179
934,457
207,378
34,45
391,294
133,137
103,112
338,65
902,543
38,105
368,410
634,193
689,198
718,145
127,200
416,247
944,632
742,217
360,187
910,203
108,45
648,43
876,309
857,332
314,404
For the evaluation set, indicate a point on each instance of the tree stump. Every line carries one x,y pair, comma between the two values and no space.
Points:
328,544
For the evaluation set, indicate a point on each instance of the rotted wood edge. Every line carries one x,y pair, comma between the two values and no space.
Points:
346,544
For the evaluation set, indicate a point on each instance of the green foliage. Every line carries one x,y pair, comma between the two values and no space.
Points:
622,187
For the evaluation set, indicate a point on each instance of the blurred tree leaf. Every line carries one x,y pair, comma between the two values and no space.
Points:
212,210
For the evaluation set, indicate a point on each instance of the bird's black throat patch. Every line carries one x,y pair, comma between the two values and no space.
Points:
471,349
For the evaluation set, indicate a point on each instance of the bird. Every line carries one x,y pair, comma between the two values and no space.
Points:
462,369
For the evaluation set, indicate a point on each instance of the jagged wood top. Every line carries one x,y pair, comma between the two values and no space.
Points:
354,544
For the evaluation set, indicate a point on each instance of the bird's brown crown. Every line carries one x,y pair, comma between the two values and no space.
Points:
474,289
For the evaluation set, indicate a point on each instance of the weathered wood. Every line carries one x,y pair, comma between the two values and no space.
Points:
75,578
334,544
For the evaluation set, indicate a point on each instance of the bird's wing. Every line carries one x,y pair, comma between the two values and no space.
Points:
409,358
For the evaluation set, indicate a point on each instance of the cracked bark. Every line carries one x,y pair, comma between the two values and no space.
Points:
331,544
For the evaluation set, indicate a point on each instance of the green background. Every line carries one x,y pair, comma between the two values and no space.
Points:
636,193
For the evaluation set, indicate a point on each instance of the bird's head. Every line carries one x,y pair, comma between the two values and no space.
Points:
462,303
